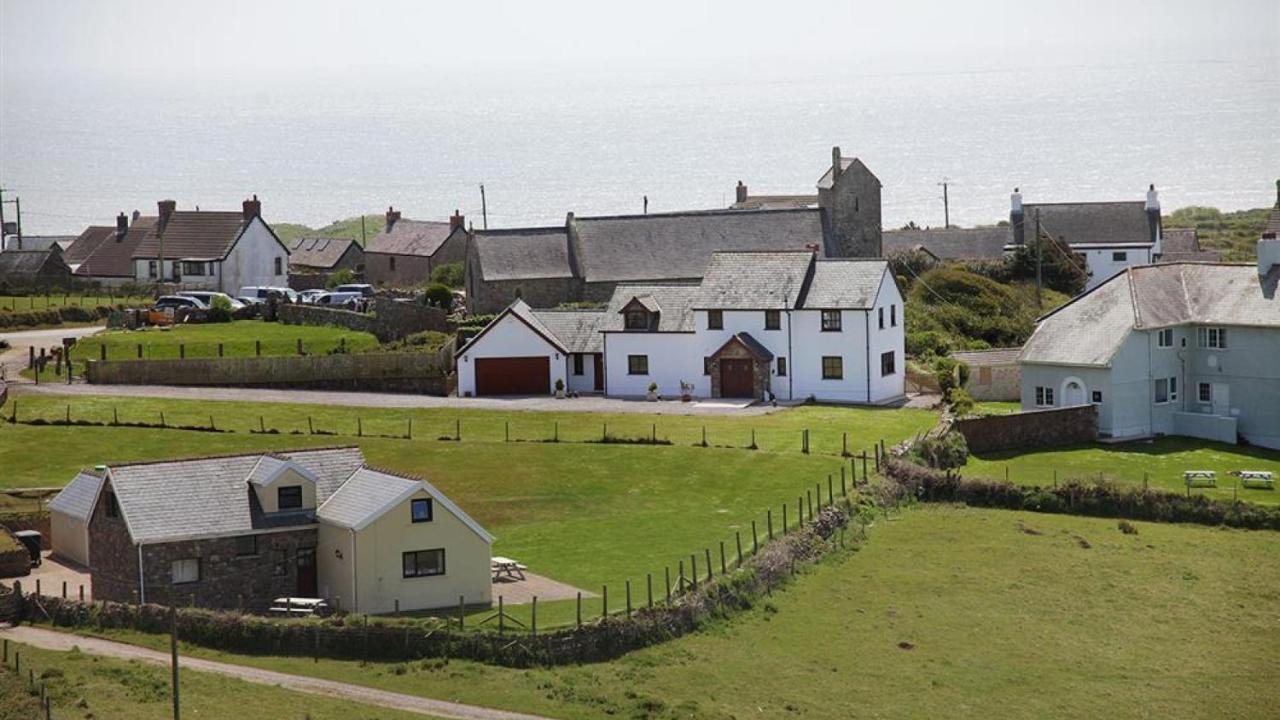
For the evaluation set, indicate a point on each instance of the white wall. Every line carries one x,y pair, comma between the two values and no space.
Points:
672,357
1101,266
70,537
892,338
706,342
251,261
586,382
511,337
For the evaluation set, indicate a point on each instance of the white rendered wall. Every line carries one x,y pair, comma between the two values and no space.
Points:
252,261
892,338
706,342
586,382
672,357
511,337
1101,267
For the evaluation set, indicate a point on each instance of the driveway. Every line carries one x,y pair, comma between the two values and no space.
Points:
51,640
15,359
51,574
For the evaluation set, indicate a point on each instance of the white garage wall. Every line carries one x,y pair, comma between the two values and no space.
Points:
672,358
510,337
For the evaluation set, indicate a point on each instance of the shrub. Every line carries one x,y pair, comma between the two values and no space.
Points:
340,277
438,295
944,453
425,341
219,310
559,384
961,402
950,374
449,275
476,321
927,343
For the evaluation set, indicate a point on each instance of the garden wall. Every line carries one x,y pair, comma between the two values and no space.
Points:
389,320
28,520
15,560
1030,429
384,372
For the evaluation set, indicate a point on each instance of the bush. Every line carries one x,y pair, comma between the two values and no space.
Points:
340,277
438,295
219,310
927,343
961,402
943,453
449,274
476,321
950,374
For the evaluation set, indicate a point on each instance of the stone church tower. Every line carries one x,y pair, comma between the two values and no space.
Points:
850,195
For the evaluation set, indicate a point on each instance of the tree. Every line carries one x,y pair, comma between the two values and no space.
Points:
340,277
449,274
1061,269
438,295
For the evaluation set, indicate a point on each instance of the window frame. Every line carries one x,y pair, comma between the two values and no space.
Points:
1202,397
1120,256
772,319
280,497
828,374
406,574
152,269
431,510
880,317
279,266
715,319
633,361
1044,396
579,365
173,567
893,315
391,264
832,321
892,357
1160,391
1161,336
782,366
1095,397
633,315
253,542
1211,337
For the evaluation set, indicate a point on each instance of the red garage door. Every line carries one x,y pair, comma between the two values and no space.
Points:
513,376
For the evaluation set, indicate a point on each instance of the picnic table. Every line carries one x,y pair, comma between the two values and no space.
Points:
506,566
1261,479
1200,478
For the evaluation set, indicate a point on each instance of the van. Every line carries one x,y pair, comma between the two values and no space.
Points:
261,293
365,289
338,299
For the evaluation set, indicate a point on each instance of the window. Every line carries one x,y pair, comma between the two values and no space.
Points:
706,366
186,570
1096,397
1204,393
637,364
832,367
1044,396
893,315
830,321
1166,390
577,364
195,268
246,545
289,497
391,264
279,266
1213,337
715,319
420,510
887,364
1173,389
1164,338
113,508
880,315
782,367
423,563
637,320
279,562
151,268
1119,257
772,319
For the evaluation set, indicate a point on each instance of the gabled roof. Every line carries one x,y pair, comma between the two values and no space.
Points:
825,182
87,242
753,346
521,312
577,330
1183,244
370,493
320,252
951,243
411,237
114,258
39,242
523,254
271,467
20,263
988,358
754,280
194,234
845,284
675,299
1089,329
1103,223
79,496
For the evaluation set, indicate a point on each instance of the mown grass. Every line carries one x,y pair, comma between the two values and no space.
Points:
945,612
1160,463
19,303
81,685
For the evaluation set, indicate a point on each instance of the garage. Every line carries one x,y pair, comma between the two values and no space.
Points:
69,513
513,376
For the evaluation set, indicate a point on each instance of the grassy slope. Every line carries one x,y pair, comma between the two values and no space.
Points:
83,685
346,228
20,303
1007,615
1234,233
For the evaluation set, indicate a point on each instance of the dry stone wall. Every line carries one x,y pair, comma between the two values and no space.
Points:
1030,429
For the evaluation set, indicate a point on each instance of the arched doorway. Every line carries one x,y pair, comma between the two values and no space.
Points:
1073,393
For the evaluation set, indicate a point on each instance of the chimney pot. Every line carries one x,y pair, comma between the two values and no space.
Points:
252,209
742,192
122,226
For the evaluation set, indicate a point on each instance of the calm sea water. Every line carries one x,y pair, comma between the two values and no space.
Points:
316,149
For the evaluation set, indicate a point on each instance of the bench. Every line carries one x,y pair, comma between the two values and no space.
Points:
1200,478
506,566
1258,479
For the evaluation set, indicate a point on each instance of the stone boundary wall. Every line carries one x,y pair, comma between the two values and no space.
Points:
388,321
1030,429
378,372
15,562
29,520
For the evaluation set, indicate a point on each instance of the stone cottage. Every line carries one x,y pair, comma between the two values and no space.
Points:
406,251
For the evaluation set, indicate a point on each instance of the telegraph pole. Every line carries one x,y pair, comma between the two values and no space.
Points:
484,208
646,204
1039,263
946,204
173,651
17,204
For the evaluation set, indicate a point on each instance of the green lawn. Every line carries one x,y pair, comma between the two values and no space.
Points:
81,685
19,303
996,407
946,612
1161,462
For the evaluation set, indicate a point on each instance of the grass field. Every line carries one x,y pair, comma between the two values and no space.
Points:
946,612
18,303
1234,233
996,407
86,686
345,228
1161,462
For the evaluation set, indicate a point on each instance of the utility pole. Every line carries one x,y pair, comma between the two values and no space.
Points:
1039,263
646,204
484,208
946,204
173,651
17,204
363,239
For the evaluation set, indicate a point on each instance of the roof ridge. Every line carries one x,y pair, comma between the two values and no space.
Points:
698,213
231,455
1133,296
387,471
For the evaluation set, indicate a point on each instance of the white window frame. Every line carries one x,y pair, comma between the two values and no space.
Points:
1204,393
184,571
1095,397
1212,338
1170,390
1044,396
1164,338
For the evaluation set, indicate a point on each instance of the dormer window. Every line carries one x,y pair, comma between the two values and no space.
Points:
637,320
289,497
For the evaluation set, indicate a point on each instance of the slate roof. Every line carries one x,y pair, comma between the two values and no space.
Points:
577,330
1089,329
951,243
28,262
370,492
1091,222
754,280
320,252
167,501
194,235
1183,244
675,299
752,345
112,258
520,254
988,358
775,202
845,284
826,181
79,496
39,242
87,242
410,237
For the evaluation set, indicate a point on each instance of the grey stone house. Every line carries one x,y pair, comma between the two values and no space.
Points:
1171,349
34,268
405,252
586,258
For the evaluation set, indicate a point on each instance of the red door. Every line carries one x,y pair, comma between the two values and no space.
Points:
599,361
513,376
735,379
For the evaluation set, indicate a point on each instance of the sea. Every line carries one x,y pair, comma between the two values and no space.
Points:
320,147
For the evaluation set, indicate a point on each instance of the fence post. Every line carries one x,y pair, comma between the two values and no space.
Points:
311,430
708,555
666,573
82,593
299,346
502,616
604,603
723,568
506,431
844,491
462,613
182,351
457,429
831,498
737,536
877,450
139,351
693,570
257,348
64,589
102,351
680,583
315,644
648,582
556,431
784,521
579,609
704,436
409,430
359,427
628,598
755,538
533,620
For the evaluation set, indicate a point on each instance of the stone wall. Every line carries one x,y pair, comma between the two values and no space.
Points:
15,561
113,557
226,578
388,320
377,372
29,520
1030,429
996,383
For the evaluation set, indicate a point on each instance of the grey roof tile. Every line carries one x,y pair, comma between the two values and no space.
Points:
988,358
675,299
194,234
362,496
846,284
951,243
321,252
87,242
78,497
577,330
768,280
411,237
523,254
1091,222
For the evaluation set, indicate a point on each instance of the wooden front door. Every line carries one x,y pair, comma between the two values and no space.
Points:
306,572
736,379
599,363
513,376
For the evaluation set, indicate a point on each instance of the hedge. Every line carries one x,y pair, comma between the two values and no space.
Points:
1079,497
54,316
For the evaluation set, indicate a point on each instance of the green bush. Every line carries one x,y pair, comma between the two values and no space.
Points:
943,453
449,274
927,343
340,277
950,374
961,402
476,321
438,295
425,341
219,310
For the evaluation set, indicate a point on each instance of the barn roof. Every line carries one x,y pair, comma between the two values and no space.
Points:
320,252
411,237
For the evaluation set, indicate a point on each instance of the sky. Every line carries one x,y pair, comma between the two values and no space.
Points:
132,39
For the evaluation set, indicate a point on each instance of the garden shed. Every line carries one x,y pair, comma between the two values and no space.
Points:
69,513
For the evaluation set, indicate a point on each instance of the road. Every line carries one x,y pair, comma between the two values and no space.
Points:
51,640
15,359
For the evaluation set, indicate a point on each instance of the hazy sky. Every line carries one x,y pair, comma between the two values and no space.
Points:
135,38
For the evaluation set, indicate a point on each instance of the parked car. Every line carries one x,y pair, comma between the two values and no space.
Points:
261,293
309,296
339,299
207,296
168,302
364,289
249,300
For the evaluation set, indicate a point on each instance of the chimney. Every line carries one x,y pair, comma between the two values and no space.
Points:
167,208
455,220
122,226
1016,217
835,163
1153,213
252,209
393,216
568,218
1268,253
136,214
742,192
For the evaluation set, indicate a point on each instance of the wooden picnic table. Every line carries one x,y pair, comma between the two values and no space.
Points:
506,566
1257,479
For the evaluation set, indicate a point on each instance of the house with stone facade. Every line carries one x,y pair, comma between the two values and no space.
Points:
1171,349
761,325
586,258
993,373
34,269
405,252
242,530
324,255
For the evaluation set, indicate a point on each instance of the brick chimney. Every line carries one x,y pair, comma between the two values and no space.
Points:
455,220
1153,214
136,214
742,192
167,208
1016,217
393,216
252,209
836,168
122,226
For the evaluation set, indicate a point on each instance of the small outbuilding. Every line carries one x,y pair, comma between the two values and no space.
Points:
993,374
525,351
69,513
